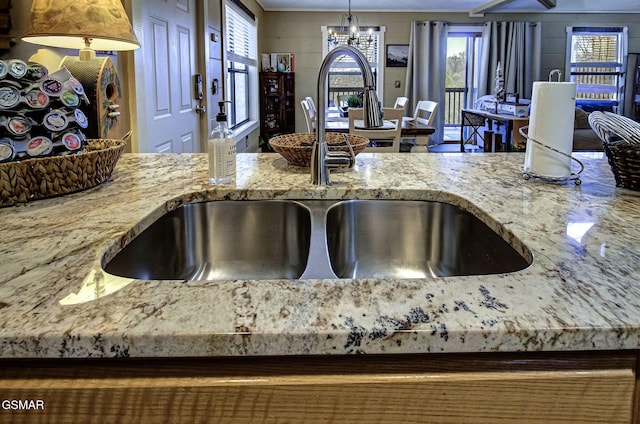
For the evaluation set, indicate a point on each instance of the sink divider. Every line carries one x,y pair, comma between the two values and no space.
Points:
318,263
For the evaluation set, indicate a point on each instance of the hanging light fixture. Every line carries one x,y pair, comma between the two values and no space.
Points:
350,27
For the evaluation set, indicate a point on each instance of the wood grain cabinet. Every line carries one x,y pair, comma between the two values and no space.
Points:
277,103
6,39
481,388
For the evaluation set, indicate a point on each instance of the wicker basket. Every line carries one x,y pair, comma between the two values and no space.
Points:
296,148
624,159
39,178
621,142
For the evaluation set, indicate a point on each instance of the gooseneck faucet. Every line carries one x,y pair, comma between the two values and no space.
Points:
321,159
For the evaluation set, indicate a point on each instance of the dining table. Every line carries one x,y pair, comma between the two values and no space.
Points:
411,128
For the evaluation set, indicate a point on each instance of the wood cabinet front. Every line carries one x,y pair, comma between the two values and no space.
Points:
364,389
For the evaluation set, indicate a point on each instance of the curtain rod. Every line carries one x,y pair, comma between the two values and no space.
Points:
468,23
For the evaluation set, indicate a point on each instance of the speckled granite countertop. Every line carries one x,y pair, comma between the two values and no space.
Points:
581,293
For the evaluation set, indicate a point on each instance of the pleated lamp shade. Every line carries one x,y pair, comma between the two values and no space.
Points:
79,24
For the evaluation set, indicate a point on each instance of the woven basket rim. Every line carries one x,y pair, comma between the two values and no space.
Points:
117,144
40,178
360,140
298,155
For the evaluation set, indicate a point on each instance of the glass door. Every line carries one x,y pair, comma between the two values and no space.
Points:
463,56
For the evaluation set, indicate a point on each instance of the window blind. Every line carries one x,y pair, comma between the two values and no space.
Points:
241,36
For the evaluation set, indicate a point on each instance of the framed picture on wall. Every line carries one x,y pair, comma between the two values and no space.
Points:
397,55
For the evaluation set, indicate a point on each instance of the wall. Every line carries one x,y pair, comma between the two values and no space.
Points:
299,33
21,50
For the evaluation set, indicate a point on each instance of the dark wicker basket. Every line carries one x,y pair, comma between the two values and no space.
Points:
296,148
39,178
621,142
624,159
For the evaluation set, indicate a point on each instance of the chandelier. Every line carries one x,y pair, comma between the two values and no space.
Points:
350,27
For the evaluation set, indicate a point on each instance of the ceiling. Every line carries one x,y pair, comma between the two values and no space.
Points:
464,6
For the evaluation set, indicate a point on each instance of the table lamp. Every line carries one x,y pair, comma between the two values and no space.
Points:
87,25
80,24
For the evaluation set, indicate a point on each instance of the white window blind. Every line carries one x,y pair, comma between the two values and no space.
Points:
241,37
241,84
597,46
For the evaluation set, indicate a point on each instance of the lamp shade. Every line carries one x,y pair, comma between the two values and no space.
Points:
74,23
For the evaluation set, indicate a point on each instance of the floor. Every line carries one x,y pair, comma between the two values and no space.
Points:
452,134
451,142
446,147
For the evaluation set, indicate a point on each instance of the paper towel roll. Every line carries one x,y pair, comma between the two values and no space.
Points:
551,123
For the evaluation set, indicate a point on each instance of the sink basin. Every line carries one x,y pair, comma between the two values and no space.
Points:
413,239
220,240
328,239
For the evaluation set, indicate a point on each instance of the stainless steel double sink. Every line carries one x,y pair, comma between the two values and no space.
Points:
287,239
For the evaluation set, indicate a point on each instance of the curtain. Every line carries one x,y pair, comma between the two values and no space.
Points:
426,69
516,46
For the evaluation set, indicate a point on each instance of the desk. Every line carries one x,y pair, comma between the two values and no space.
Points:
337,123
477,119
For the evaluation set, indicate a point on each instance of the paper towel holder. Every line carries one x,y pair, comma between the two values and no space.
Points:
574,176
557,72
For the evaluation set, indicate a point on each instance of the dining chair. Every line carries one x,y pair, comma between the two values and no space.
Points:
343,101
389,134
401,103
312,104
309,115
425,114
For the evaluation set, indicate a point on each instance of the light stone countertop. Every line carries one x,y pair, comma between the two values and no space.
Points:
581,293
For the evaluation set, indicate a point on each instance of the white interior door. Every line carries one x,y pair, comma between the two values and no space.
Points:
165,66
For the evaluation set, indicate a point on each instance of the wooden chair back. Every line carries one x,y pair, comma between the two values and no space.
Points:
425,112
309,115
401,103
382,140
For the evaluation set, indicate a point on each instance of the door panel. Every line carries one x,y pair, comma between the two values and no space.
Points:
183,4
164,147
165,68
160,60
188,142
184,49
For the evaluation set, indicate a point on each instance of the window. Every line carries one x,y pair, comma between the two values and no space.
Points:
596,63
461,72
345,77
241,54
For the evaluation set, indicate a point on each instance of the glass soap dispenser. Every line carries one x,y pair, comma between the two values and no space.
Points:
222,150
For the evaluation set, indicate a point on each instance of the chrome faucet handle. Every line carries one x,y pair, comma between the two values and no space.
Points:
352,154
339,159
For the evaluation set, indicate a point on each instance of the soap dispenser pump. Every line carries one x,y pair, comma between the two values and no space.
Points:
222,150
